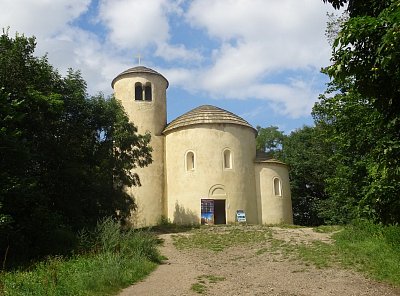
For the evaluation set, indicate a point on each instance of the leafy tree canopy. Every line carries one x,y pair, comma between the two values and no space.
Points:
360,113
308,157
270,140
65,157
360,7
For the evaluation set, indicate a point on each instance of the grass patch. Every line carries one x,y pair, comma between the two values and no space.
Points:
372,249
318,253
109,259
201,286
287,226
166,226
328,228
219,239
214,279
363,246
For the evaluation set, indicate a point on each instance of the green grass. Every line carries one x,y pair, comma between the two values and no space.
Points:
221,238
363,246
372,249
328,228
110,260
166,226
201,286
101,274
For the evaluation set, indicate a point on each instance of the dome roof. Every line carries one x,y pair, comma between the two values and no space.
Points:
206,114
138,69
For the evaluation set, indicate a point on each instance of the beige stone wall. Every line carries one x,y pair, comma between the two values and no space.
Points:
273,207
209,179
148,116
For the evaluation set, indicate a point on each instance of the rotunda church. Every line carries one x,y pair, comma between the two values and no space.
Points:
205,167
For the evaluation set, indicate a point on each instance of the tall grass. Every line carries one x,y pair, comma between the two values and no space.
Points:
108,260
371,248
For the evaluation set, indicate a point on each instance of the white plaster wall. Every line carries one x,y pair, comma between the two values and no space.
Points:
273,209
148,117
186,188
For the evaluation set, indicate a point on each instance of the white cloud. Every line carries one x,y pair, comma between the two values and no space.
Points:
290,33
177,52
135,23
40,17
294,99
260,39
251,43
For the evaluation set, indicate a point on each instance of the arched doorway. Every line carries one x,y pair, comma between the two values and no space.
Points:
213,208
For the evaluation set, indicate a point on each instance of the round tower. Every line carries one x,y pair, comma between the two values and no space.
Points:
274,201
210,171
142,92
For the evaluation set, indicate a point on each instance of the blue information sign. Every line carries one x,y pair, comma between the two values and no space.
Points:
240,216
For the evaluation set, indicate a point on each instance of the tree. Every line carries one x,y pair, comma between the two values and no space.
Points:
309,159
270,140
362,109
65,157
361,185
360,7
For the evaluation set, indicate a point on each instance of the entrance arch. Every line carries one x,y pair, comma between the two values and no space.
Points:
213,209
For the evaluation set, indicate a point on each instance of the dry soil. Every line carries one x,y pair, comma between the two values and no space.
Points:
241,270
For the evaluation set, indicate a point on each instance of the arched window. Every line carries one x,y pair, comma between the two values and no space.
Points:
190,161
277,187
147,92
138,92
227,159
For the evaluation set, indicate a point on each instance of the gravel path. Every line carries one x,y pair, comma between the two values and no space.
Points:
240,271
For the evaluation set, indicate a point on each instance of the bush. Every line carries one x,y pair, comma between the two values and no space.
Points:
108,259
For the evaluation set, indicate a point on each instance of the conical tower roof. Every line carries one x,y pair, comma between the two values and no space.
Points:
138,69
206,114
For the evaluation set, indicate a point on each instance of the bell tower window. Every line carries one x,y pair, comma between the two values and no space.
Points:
147,92
138,91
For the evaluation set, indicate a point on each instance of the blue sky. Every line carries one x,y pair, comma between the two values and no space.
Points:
260,59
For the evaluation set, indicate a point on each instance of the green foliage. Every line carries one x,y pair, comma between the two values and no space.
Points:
361,7
361,184
360,115
109,265
366,52
270,140
65,157
309,159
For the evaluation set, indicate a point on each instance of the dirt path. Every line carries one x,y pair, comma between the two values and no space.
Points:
242,271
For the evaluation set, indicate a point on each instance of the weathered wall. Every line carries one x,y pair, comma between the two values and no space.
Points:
209,179
272,208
